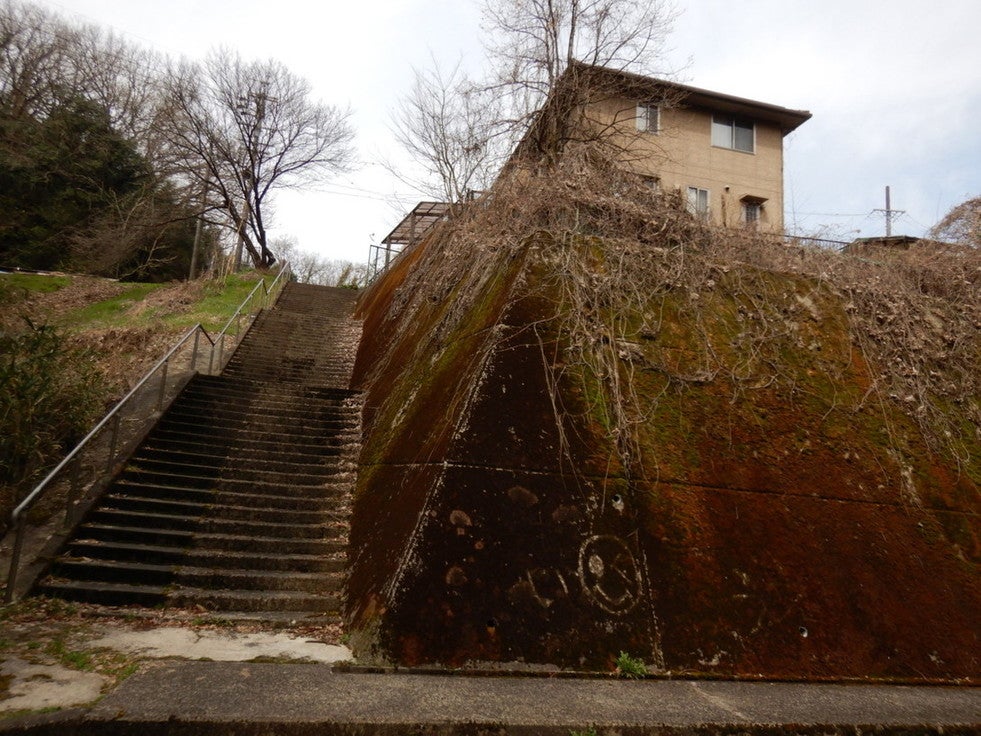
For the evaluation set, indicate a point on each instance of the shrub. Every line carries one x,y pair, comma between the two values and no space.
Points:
50,392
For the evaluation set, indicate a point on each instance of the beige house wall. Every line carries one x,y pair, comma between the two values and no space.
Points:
681,155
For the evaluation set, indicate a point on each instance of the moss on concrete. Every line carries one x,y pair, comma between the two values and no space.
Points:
711,478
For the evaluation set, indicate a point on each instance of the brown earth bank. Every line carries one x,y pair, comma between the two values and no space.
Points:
718,486
123,354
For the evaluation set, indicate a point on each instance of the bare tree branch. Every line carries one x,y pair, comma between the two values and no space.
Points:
533,44
246,129
445,124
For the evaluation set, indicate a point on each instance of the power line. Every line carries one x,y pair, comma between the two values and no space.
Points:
832,214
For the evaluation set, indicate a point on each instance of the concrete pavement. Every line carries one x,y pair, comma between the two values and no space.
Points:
194,697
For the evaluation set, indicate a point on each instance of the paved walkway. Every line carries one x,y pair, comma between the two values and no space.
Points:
191,697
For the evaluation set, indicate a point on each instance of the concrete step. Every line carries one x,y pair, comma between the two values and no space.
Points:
162,452
309,486
107,594
164,555
247,600
143,504
127,594
247,416
208,540
213,524
260,428
329,494
111,571
219,387
188,437
135,535
147,469
163,575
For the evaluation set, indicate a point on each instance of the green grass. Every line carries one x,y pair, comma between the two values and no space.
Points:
114,312
15,287
219,303
75,659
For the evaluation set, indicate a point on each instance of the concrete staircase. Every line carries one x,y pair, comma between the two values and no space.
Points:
238,500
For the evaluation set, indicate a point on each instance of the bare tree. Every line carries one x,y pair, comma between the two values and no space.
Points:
446,125
44,60
961,225
244,129
311,268
535,45
459,132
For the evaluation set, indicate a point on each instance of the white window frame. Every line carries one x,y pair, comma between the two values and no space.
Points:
695,198
723,132
648,116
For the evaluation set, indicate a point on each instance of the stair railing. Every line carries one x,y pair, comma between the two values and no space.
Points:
219,342
70,468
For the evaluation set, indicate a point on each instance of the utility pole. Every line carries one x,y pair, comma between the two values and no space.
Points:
198,228
889,212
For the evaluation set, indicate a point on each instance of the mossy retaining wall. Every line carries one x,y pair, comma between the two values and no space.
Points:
776,522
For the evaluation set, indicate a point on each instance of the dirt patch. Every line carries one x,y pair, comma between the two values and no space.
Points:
175,299
125,354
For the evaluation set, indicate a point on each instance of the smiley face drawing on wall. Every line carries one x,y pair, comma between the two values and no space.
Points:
609,574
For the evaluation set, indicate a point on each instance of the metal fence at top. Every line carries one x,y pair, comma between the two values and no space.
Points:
85,470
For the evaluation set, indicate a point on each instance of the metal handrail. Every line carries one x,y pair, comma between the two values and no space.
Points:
17,516
219,340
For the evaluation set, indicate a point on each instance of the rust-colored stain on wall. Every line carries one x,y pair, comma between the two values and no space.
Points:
763,531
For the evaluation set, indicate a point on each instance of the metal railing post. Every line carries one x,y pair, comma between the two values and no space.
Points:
112,443
73,489
163,385
194,350
8,596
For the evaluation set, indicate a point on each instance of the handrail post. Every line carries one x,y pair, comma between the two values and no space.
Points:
8,596
163,385
112,442
194,350
73,490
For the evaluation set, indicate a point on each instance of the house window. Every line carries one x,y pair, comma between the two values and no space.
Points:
752,209
648,117
728,132
698,202
751,213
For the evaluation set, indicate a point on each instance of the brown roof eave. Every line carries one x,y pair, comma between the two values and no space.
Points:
786,119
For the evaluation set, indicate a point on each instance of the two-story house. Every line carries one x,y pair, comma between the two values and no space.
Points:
722,154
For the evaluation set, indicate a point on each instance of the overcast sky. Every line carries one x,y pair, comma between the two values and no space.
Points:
894,87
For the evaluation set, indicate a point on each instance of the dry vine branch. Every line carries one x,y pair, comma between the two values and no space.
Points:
615,259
